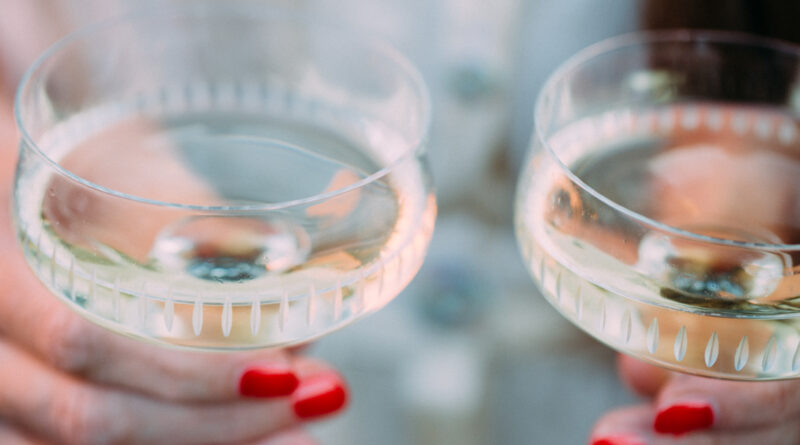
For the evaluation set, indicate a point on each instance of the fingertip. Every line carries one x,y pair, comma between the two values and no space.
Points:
688,403
319,395
322,390
683,417
268,381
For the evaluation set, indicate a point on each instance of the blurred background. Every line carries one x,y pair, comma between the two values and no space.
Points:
469,353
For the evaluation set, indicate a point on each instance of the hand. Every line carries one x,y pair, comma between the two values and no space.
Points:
689,410
67,381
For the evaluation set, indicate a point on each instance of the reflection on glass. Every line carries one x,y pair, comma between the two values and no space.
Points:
179,186
658,207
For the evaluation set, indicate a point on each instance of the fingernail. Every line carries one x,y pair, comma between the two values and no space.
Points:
319,395
268,382
683,418
618,439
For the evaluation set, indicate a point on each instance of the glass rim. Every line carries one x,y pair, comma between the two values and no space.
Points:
642,39
364,38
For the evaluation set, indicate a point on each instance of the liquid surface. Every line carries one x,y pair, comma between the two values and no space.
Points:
311,248
689,303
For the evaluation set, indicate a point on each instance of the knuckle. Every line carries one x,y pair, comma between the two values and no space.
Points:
66,340
79,418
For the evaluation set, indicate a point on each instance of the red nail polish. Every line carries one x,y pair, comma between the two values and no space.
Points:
618,439
319,395
268,382
683,418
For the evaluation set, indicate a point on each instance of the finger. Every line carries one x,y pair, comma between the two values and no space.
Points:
625,426
321,391
634,426
786,433
641,377
690,403
35,319
32,317
67,410
9,435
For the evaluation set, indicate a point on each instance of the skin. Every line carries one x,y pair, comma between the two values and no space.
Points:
763,413
66,381
744,412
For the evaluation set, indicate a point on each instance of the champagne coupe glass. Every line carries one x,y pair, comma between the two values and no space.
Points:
659,207
217,177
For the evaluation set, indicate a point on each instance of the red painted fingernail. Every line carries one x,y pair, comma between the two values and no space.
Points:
319,395
268,382
618,439
683,418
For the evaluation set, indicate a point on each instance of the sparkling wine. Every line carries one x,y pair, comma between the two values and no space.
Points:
711,285
295,218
